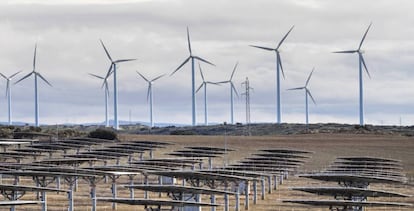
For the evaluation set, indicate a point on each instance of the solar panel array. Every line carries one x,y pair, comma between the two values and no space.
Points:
50,163
354,175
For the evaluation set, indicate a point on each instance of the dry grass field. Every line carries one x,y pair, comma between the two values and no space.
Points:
326,148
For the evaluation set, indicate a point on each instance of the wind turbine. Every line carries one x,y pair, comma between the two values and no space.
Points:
149,93
204,84
361,63
232,88
112,70
192,57
8,94
307,93
36,74
278,67
105,85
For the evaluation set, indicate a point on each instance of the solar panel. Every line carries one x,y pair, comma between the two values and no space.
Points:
349,191
156,202
346,203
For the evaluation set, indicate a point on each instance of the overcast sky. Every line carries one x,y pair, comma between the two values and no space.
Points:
154,32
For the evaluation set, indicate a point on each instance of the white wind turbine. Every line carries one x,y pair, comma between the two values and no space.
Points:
307,93
232,88
361,63
105,85
149,94
8,94
112,70
192,57
36,74
204,84
278,68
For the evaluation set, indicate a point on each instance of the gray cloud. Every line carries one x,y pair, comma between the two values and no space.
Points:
68,36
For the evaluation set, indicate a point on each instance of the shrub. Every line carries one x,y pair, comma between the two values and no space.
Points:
103,134
183,132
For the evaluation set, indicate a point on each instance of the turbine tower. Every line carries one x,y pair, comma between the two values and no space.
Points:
149,94
232,88
279,68
112,70
361,63
307,93
192,57
105,85
36,74
8,94
204,84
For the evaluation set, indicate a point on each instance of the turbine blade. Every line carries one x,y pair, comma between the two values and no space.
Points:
310,95
34,58
185,61
297,88
203,60
96,76
201,72
44,79
363,38
214,83
280,64
264,48
109,71
365,66
223,82
234,70
106,88
143,77
350,51
124,60
201,85
14,74
157,77
234,88
106,51
188,40
3,76
283,39
26,76
148,92
309,77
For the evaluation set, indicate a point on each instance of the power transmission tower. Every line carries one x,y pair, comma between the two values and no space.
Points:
247,87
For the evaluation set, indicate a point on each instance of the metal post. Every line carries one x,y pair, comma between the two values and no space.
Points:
131,190
146,196
93,196
213,201
247,191
237,200
269,180
44,201
70,196
276,181
114,191
263,188
254,192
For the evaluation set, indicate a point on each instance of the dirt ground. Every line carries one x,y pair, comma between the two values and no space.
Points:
326,148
